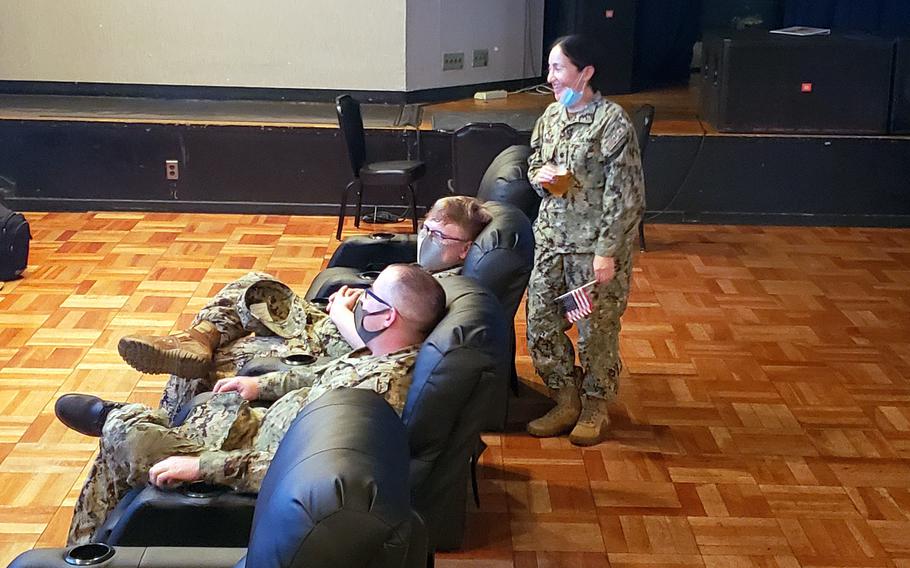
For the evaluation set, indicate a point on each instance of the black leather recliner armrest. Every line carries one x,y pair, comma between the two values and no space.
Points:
375,252
133,557
334,278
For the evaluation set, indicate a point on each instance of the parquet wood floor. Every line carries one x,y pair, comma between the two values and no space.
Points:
764,420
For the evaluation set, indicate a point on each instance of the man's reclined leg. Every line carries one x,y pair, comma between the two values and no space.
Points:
255,303
225,440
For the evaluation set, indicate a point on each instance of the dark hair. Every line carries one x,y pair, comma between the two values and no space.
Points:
582,51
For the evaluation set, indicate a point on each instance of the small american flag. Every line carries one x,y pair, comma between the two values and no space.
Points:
576,304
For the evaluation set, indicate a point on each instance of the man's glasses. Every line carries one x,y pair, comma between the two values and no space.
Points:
369,292
440,236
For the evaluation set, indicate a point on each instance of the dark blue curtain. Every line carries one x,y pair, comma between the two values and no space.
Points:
887,17
666,31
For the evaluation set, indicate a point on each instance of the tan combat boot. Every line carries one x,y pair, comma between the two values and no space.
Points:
594,423
561,417
187,354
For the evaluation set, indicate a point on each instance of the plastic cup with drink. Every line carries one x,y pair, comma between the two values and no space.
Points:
561,183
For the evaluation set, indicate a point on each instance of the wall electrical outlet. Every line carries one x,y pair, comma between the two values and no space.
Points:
452,61
172,169
481,57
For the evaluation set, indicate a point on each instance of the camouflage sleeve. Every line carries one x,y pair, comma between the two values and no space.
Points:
333,343
241,470
622,200
276,384
535,160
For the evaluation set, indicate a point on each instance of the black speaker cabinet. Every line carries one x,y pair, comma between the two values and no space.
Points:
900,97
613,23
754,81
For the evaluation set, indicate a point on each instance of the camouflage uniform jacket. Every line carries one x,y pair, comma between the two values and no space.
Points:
454,271
599,147
251,435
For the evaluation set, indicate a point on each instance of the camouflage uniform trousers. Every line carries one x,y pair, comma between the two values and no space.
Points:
298,327
234,440
136,437
598,335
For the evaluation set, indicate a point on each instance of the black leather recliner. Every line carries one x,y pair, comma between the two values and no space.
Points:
506,180
500,259
456,379
336,494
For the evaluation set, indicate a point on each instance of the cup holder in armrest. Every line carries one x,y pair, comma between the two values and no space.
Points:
298,359
89,554
202,490
382,236
369,274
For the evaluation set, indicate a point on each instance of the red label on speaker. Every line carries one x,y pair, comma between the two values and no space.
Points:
608,13
805,88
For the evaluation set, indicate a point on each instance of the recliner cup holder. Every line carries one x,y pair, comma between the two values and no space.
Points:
202,490
382,236
369,274
89,554
320,302
298,359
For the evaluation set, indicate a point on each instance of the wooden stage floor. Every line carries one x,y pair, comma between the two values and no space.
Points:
675,111
764,420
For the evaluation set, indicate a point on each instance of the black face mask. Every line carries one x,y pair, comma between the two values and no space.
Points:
365,334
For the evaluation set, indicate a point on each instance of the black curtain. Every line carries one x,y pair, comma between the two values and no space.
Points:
885,17
666,31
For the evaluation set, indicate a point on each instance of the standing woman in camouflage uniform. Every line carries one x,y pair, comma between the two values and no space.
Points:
583,233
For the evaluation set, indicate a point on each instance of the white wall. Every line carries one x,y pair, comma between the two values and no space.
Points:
512,31
306,44
339,44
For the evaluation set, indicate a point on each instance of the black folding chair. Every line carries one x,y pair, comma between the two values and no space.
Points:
391,173
641,122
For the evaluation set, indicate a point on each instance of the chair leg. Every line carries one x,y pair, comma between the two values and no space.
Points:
359,204
413,207
474,481
513,374
641,235
475,457
341,210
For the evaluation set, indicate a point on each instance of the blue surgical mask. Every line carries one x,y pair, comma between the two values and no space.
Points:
571,97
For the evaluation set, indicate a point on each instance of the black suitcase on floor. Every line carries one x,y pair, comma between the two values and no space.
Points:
14,241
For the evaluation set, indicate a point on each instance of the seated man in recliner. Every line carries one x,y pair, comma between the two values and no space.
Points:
225,440
221,340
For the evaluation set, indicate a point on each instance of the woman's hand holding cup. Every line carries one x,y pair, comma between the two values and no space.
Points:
555,179
546,174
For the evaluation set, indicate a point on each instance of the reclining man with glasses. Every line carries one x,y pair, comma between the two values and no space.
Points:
258,316
224,440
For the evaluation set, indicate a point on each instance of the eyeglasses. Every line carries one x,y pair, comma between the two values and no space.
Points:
369,292
440,236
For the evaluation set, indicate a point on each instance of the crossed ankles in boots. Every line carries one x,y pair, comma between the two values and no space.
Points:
186,354
84,413
586,417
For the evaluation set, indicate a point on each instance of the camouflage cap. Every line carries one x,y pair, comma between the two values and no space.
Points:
275,306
